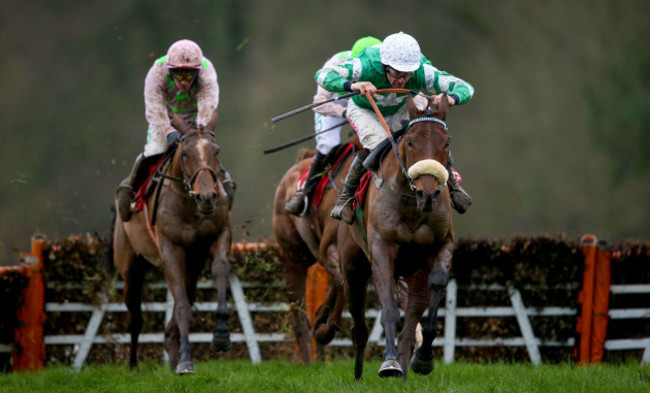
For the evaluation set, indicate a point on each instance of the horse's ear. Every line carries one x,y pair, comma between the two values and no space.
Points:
414,111
441,112
179,124
212,124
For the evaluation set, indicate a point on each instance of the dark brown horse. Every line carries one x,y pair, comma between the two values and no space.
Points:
299,240
191,226
406,233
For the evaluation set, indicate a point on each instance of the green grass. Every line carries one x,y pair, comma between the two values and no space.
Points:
283,376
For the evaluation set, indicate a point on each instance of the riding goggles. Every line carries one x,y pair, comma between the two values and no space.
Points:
393,73
181,74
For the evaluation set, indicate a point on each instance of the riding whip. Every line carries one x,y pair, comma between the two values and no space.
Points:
302,139
314,105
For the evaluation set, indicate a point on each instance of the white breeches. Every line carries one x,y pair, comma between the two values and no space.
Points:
367,125
156,143
325,141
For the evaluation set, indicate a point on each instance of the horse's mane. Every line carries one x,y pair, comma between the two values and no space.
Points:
304,153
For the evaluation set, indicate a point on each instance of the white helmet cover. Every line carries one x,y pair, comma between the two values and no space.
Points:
401,52
184,54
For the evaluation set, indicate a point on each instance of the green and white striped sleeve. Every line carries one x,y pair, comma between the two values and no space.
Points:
437,82
333,78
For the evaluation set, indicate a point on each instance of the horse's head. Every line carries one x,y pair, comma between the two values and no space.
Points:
426,145
197,160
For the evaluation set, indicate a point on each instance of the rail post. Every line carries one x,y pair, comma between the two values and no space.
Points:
603,281
30,355
586,298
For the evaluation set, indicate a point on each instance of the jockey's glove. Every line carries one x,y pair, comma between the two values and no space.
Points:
174,138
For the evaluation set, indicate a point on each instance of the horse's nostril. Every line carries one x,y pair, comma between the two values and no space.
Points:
419,193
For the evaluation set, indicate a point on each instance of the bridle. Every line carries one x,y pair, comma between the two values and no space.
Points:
408,127
188,180
412,185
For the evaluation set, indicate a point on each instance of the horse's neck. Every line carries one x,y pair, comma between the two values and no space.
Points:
174,170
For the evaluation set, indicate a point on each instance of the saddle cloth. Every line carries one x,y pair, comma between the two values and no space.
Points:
143,193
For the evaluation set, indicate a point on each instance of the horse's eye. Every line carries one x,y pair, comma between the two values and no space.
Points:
409,143
184,154
216,153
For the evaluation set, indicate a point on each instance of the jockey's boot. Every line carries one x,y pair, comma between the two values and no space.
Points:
229,186
343,208
299,201
125,192
460,199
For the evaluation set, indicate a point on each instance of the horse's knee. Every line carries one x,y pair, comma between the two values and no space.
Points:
220,267
438,279
390,315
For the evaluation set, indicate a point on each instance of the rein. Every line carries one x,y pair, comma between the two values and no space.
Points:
390,135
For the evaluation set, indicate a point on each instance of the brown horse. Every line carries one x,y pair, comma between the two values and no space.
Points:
406,233
299,239
191,226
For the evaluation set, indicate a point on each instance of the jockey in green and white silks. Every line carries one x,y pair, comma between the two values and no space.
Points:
396,63
369,67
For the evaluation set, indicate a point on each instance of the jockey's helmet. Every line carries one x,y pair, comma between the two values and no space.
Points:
184,54
401,52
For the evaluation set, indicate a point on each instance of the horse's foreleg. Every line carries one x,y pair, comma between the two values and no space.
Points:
221,272
422,362
172,342
175,269
133,283
383,260
357,273
416,299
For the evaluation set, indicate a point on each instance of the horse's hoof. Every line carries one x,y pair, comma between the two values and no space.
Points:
390,368
421,367
324,335
221,344
185,368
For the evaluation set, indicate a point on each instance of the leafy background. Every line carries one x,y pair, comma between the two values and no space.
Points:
555,140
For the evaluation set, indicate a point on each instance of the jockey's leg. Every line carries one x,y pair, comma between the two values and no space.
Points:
343,208
125,191
299,201
228,185
460,199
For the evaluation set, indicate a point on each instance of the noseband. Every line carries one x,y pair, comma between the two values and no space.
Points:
418,120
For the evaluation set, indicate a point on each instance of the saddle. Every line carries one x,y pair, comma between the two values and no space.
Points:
334,159
154,174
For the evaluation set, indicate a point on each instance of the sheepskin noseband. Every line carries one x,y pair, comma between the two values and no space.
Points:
429,167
